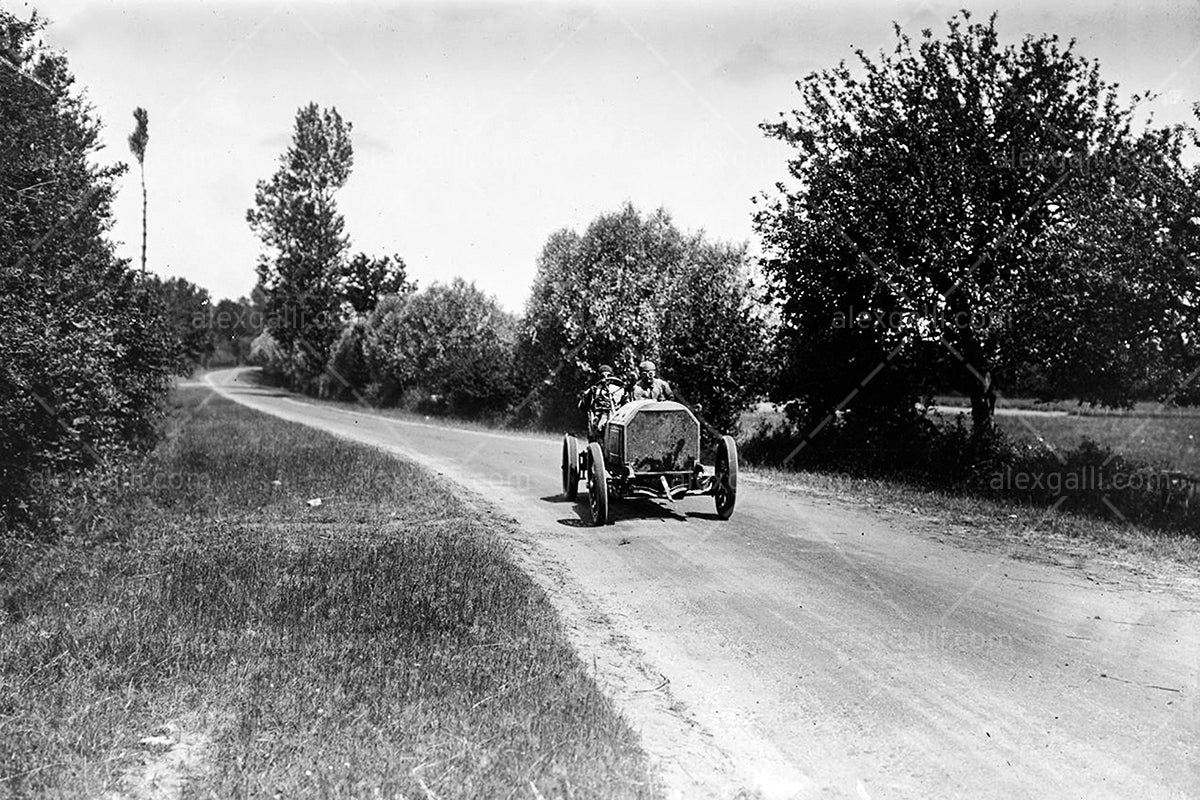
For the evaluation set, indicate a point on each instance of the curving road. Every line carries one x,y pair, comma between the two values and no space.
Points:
806,648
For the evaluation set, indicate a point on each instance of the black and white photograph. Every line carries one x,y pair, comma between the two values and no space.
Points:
532,400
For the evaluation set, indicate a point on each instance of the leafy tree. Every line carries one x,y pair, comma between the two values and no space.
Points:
713,337
384,329
449,344
137,145
348,373
187,309
940,193
366,279
596,298
232,325
633,287
1114,310
266,352
85,355
296,217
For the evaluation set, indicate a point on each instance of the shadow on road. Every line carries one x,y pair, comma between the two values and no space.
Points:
619,510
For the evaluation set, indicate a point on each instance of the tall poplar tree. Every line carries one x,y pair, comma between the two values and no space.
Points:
137,145
295,214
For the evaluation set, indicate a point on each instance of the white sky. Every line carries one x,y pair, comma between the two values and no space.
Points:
481,128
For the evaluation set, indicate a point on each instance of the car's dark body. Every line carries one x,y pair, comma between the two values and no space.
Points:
649,449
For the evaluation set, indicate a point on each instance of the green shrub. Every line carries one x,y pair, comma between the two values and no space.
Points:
85,350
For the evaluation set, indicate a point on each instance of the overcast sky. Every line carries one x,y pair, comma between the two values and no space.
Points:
481,128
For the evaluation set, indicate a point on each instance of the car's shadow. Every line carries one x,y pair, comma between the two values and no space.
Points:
618,510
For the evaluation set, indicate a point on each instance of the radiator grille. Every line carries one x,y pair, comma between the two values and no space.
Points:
661,441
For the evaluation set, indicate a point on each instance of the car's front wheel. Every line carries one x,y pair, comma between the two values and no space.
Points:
725,479
597,485
570,467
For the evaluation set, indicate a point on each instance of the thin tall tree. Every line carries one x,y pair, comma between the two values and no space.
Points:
137,143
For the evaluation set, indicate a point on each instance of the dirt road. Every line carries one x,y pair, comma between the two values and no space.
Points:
808,649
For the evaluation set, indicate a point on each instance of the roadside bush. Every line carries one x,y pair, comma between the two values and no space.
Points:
386,371
265,352
449,343
347,372
85,352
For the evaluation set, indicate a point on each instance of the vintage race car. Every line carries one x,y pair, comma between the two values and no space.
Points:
649,449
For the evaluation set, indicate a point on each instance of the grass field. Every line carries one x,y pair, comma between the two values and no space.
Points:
1138,468
1140,409
209,630
1166,440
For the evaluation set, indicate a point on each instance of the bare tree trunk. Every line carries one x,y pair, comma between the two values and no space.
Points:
143,172
983,406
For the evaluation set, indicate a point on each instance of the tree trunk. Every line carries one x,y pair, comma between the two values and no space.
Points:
983,406
143,171
975,375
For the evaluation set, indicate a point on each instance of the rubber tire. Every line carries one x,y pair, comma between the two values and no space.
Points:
597,485
570,467
725,479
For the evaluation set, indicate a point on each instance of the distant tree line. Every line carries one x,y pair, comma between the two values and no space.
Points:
630,287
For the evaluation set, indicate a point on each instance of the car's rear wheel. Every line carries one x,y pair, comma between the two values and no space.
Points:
597,485
570,466
725,477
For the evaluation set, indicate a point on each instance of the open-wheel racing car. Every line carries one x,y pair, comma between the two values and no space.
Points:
651,449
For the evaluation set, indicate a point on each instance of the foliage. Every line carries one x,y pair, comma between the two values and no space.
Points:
186,308
85,353
384,329
595,298
296,217
266,353
366,279
232,326
711,342
137,145
633,287
347,373
963,213
141,134
449,344
1113,314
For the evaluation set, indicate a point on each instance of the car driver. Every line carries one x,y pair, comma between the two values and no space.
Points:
649,387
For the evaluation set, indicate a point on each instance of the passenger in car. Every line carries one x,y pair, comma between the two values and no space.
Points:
600,400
